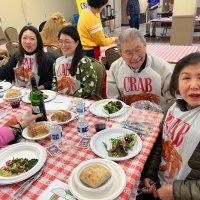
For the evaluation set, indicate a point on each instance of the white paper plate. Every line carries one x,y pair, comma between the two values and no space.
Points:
65,122
97,108
22,150
99,149
51,95
51,107
114,191
5,85
25,133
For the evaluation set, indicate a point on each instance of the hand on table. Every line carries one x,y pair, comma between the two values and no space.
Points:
150,186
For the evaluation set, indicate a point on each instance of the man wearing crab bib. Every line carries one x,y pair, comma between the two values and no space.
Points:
138,75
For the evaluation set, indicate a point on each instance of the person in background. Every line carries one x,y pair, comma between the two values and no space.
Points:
73,73
151,13
8,134
91,31
133,13
29,60
174,161
138,75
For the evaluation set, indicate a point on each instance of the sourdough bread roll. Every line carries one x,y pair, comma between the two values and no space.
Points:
95,175
61,116
38,129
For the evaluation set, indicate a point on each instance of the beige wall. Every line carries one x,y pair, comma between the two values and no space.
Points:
18,13
184,7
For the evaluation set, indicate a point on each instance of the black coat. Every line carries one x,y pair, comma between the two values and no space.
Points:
45,71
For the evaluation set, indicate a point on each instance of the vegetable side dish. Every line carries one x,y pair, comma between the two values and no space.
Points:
113,106
17,166
121,145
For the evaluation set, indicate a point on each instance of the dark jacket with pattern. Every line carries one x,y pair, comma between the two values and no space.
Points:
188,189
45,71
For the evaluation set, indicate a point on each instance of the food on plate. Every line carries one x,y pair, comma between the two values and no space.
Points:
17,166
61,116
121,145
113,106
129,99
95,175
12,93
38,129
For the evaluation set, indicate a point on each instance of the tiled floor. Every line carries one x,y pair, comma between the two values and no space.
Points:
158,39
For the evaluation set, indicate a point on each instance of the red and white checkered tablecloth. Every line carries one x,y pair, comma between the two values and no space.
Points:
60,167
171,53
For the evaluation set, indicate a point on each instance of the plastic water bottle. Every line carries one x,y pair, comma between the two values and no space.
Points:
80,106
82,126
56,134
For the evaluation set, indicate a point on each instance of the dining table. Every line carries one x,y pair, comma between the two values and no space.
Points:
61,166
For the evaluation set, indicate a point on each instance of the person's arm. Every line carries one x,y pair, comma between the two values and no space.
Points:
128,10
46,73
112,91
186,189
6,136
6,71
87,77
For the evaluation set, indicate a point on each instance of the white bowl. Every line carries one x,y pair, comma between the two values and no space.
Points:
104,187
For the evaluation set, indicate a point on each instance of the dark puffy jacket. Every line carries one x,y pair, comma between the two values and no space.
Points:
188,189
45,71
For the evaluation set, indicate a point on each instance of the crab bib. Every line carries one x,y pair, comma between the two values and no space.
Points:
180,138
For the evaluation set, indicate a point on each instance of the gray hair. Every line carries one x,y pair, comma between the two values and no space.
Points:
128,35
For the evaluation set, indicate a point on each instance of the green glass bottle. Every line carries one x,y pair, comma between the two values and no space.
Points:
37,101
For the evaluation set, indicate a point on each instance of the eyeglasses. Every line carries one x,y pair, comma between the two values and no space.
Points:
129,55
65,42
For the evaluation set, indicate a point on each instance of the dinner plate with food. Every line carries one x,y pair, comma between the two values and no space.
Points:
4,86
12,94
62,117
108,108
48,95
37,131
20,161
116,144
106,181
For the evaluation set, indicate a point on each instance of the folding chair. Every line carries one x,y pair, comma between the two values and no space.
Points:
11,34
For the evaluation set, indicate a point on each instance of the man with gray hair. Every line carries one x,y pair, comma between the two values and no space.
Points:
137,75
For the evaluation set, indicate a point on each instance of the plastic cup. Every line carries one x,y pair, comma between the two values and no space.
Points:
15,102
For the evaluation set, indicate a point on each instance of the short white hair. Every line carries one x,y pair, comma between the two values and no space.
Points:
128,35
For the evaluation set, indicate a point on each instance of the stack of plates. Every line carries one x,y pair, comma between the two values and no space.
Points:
114,190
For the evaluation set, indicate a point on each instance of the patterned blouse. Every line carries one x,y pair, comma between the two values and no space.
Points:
83,84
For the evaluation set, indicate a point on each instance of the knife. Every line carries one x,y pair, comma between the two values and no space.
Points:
26,185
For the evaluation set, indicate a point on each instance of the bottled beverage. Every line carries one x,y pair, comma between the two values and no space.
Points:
56,134
37,101
82,126
80,106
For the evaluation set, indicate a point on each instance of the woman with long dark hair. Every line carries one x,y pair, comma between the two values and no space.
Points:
29,60
74,74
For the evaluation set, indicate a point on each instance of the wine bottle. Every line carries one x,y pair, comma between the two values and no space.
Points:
37,101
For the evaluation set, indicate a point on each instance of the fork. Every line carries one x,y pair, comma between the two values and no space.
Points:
26,185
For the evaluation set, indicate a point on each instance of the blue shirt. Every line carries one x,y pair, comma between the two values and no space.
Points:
153,2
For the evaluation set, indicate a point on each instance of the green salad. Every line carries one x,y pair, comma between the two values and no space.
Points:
17,166
121,145
113,106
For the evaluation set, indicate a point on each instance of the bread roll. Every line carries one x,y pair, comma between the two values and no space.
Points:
95,175
61,116
38,129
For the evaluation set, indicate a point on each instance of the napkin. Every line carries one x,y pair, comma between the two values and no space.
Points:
58,190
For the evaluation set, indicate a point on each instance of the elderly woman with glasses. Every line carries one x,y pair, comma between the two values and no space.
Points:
73,74
137,75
